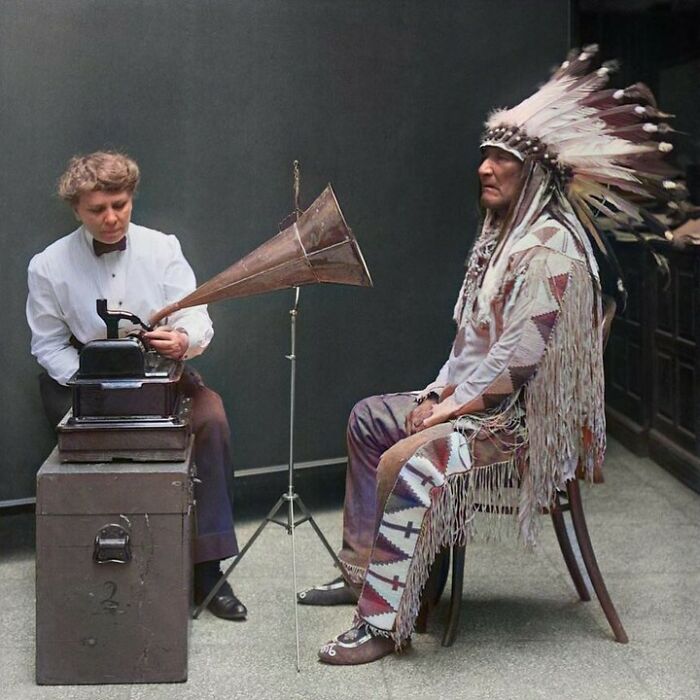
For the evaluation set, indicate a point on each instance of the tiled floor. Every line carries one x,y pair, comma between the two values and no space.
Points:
524,634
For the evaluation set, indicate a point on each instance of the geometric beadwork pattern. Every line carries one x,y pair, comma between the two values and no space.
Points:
401,525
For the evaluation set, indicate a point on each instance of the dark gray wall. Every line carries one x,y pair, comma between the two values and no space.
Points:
215,99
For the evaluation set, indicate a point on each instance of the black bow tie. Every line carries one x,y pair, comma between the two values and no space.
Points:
101,248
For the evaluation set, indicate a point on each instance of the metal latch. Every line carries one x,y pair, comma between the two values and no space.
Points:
112,545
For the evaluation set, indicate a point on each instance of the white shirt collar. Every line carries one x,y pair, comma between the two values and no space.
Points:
89,238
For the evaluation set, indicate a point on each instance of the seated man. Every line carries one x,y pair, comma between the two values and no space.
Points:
139,270
519,403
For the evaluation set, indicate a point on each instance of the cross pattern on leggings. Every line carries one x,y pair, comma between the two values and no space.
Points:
408,529
425,478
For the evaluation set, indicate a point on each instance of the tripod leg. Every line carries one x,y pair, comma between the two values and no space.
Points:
237,560
317,530
292,528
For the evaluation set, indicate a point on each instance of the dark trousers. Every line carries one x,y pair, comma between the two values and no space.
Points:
215,537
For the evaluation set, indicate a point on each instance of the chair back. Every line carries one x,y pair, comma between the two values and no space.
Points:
609,308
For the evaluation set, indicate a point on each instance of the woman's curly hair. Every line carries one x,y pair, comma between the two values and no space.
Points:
105,171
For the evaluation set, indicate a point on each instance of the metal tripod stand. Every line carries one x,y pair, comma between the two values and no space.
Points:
290,497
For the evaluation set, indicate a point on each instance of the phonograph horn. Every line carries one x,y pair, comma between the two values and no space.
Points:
318,247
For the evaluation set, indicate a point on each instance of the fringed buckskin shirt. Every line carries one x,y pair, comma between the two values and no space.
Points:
527,357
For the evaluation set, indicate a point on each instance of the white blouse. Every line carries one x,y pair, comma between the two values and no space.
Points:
67,278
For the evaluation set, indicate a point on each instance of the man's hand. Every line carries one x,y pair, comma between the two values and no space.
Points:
168,342
414,420
442,412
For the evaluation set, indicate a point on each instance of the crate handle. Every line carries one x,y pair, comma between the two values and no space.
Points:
112,545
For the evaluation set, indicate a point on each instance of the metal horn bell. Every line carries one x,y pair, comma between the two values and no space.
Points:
318,247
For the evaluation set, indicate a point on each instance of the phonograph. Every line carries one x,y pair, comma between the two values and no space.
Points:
125,401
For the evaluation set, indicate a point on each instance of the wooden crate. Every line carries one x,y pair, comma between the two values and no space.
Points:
113,622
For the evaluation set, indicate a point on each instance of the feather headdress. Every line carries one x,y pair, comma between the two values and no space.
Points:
605,147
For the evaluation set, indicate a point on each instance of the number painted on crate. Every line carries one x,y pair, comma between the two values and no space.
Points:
109,605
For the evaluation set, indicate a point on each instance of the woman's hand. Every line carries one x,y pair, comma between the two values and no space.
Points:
168,341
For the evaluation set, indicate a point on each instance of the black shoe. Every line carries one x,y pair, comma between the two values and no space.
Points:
336,592
225,603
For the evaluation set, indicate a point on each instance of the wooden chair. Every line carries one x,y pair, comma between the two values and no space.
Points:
564,501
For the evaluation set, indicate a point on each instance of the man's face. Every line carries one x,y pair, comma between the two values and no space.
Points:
105,215
499,174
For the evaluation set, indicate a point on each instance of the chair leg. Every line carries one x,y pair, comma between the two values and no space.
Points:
584,543
567,551
422,619
433,589
456,595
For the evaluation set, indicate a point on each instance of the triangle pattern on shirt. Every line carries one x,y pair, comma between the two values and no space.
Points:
558,285
545,233
520,375
557,240
502,385
545,323
531,344
558,264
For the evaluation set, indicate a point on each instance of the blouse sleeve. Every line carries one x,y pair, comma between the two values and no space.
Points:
179,281
50,333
